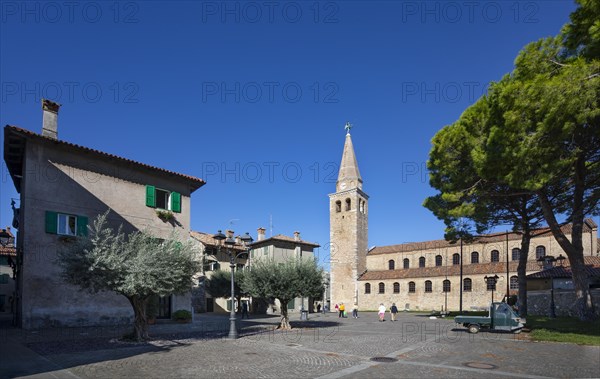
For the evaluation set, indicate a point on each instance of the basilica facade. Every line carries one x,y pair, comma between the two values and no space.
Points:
431,275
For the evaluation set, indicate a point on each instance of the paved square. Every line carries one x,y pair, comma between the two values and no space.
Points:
324,347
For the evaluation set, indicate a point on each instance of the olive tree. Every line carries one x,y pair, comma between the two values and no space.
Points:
136,265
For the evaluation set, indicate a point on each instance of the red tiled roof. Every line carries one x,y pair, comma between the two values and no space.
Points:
468,269
454,270
588,225
14,131
592,268
209,240
284,238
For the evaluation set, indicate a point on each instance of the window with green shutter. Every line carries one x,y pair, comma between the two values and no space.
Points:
66,224
163,199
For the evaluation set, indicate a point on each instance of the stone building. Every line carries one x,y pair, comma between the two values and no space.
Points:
62,187
8,259
424,275
281,248
214,257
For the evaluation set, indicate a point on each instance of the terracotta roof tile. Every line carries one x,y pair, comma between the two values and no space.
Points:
588,225
209,240
281,237
454,270
592,268
16,131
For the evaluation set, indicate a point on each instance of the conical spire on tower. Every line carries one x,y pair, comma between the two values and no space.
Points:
349,176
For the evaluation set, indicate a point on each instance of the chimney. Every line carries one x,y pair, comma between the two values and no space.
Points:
296,236
261,234
50,119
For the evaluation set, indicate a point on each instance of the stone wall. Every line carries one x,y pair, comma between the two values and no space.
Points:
538,302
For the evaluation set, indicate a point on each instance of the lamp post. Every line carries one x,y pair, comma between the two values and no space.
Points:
491,283
547,262
229,241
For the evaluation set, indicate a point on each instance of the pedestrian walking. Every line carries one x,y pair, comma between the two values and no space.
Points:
381,312
355,311
245,309
337,308
393,311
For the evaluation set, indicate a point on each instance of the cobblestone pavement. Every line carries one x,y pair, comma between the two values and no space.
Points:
324,347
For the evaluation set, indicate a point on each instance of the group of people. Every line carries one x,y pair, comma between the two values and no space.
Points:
341,309
382,309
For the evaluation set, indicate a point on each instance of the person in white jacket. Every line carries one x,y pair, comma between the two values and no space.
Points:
381,312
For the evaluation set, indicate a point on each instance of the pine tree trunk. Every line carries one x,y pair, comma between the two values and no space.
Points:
140,324
522,271
583,307
285,321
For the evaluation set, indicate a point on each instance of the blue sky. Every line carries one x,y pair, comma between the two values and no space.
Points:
253,96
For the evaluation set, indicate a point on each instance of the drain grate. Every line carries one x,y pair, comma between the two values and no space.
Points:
384,359
485,366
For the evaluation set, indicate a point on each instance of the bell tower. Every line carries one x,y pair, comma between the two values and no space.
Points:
348,229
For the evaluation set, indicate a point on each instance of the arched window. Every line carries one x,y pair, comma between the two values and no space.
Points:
381,287
540,252
428,286
396,287
391,264
338,206
367,287
495,256
467,285
348,204
362,206
474,257
406,263
422,262
446,285
438,260
514,282
516,252
455,259
411,287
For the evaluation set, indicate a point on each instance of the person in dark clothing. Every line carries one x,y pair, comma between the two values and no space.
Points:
393,311
245,309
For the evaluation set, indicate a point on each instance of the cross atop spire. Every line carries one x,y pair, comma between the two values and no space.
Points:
348,127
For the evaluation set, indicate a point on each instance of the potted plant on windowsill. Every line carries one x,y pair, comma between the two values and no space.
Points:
165,216
182,316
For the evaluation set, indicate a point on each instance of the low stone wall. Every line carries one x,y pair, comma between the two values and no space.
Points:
538,302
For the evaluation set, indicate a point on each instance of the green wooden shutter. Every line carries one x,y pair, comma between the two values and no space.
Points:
82,223
150,196
51,222
176,202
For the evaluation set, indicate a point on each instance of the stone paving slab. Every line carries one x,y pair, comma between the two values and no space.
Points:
324,347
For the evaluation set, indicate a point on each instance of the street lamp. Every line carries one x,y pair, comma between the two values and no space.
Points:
547,262
491,283
229,241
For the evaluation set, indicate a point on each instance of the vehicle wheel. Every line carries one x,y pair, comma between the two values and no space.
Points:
518,331
473,328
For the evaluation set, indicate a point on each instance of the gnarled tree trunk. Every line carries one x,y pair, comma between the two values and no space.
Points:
140,324
285,321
